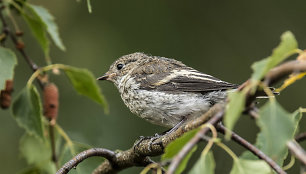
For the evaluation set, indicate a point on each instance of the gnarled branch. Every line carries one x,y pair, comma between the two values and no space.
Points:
108,154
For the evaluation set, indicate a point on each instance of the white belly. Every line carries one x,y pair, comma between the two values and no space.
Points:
165,108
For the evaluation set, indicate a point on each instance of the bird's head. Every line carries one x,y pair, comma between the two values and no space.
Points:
122,67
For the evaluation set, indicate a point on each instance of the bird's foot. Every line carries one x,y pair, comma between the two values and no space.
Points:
151,141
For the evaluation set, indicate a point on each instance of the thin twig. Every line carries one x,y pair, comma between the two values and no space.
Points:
187,147
235,137
283,70
108,154
297,151
300,137
32,65
5,30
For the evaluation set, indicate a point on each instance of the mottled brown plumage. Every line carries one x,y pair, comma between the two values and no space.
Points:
162,90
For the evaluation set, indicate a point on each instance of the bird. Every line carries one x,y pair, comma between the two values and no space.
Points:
165,91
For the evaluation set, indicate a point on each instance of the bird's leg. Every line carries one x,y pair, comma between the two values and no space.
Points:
157,136
176,126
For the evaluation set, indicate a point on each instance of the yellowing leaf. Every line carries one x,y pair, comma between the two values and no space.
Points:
302,56
290,80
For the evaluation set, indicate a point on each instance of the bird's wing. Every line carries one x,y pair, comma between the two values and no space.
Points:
186,80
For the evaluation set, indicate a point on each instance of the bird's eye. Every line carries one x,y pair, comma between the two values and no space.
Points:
120,66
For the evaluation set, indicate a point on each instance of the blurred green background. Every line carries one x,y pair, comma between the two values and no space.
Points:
221,38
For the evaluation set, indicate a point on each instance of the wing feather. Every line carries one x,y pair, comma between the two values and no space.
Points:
165,74
186,81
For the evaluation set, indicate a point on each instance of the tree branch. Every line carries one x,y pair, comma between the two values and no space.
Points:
300,137
108,154
297,151
137,155
244,143
283,70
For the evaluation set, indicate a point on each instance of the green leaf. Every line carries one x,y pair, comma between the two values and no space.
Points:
37,153
277,128
233,110
262,142
31,170
49,23
8,62
38,29
34,150
205,164
86,166
297,115
175,146
27,111
242,166
85,84
285,49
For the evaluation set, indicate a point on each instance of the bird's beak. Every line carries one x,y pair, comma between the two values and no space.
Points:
106,76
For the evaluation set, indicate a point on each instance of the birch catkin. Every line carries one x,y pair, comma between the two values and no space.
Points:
50,97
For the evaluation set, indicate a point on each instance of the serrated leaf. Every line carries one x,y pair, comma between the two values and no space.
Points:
8,61
285,49
27,111
87,165
85,84
205,164
37,153
38,29
262,139
233,110
242,166
175,146
49,23
277,128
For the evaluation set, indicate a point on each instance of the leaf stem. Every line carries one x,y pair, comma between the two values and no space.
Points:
211,141
290,164
66,138
43,69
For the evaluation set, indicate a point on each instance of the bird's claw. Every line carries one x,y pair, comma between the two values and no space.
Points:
151,141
